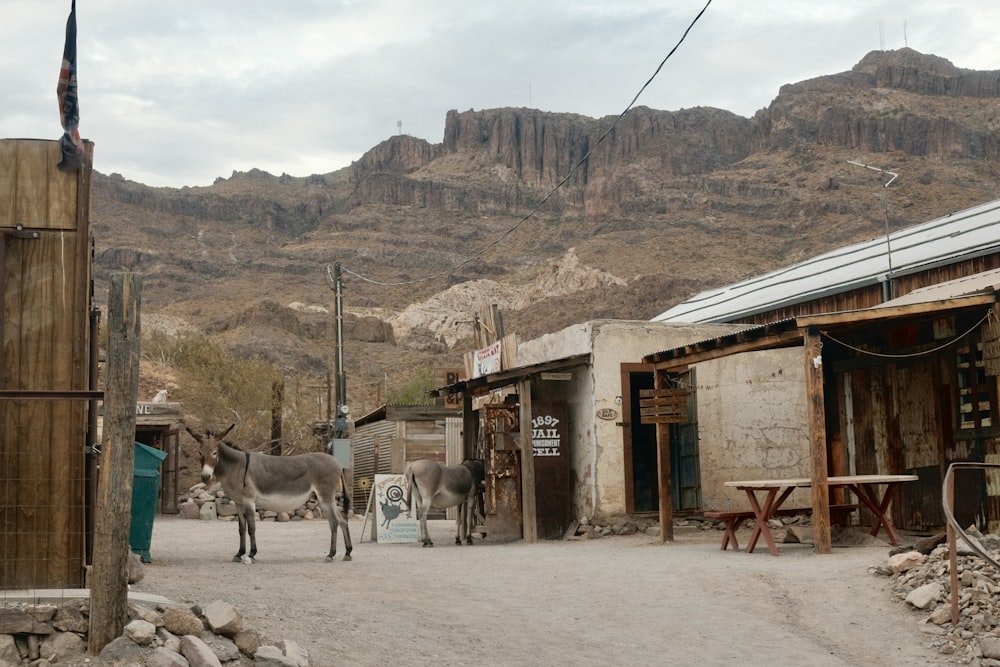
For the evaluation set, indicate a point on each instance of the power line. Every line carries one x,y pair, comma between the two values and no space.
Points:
554,189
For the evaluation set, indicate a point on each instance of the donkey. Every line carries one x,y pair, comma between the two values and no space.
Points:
279,483
430,484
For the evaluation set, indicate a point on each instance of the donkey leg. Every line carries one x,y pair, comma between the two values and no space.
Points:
422,510
469,520
459,523
251,515
242,520
336,518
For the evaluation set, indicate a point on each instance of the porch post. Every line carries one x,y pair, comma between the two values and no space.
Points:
816,418
665,488
529,511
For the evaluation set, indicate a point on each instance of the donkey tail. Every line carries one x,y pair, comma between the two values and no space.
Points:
347,496
408,477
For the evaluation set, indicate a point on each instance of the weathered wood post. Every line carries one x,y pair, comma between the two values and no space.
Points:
816,415
530,511
112,513
277,405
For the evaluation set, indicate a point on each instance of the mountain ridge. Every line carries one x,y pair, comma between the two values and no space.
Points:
668,203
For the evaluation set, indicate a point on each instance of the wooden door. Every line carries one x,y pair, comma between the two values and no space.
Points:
550,447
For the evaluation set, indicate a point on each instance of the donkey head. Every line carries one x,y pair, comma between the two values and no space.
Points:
209,446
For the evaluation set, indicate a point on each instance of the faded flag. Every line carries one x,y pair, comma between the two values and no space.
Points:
69,109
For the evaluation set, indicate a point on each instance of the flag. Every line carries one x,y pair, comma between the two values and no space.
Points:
69,109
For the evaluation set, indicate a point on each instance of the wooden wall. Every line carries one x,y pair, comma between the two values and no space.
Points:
45,286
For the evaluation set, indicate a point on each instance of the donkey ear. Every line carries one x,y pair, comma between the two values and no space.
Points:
224,433
192,433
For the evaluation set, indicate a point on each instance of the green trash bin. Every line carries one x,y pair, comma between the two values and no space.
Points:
145,493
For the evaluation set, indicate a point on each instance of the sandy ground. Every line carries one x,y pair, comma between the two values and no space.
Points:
617,600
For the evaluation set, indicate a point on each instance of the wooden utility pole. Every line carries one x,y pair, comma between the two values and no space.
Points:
277,403
112,514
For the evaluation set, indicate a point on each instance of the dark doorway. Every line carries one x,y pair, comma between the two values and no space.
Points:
641,472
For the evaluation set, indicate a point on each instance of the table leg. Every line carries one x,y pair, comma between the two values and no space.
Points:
868,495
763,514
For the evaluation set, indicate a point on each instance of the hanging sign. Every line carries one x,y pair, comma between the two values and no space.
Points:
486,360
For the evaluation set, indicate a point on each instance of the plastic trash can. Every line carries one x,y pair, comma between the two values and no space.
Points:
145,493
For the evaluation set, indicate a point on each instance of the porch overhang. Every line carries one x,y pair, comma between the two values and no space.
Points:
509,377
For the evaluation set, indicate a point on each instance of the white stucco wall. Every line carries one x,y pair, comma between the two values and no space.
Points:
597,446
752,423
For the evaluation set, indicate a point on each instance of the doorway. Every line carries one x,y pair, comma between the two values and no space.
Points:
639,441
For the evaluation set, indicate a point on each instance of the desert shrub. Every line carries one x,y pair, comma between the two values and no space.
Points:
415,393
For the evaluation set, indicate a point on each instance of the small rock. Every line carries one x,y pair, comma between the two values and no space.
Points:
198,653
223,618
141,632
271,656
922,597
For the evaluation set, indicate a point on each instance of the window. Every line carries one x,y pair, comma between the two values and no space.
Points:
975,396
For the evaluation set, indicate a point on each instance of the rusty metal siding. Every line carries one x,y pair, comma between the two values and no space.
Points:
363,452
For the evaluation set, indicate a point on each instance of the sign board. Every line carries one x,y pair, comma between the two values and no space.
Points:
445,377
663,406
394,526
486,360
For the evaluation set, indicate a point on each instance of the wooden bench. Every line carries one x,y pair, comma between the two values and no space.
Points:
733,519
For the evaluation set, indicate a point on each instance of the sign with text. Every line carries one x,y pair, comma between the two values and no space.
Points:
391,512
550,446
486,360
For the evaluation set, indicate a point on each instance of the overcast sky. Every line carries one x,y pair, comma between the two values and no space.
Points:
180,92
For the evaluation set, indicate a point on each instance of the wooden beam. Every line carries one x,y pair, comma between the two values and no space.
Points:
112,515
694,354
816,418
892,312
529,510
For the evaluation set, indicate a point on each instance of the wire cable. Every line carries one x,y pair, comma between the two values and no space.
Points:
554,189
911,354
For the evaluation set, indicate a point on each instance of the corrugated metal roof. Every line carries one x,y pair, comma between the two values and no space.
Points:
974,231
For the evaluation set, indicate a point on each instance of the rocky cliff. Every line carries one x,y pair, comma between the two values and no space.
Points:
558,218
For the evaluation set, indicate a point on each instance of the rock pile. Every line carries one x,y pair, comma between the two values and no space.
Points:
921,577
41,635
210,502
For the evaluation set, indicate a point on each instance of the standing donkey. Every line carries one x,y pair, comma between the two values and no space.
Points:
432,485
278,483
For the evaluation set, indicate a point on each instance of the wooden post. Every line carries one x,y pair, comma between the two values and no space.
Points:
112,514
529,509
665,483
375,452
816,417
952,547
277,400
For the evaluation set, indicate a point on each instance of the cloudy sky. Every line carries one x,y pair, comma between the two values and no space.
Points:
180,92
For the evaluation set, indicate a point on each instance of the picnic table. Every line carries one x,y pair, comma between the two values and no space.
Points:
774,492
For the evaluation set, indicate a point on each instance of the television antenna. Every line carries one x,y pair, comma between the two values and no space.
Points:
399,126
887,294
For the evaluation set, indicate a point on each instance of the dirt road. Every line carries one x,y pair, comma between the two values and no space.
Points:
617,600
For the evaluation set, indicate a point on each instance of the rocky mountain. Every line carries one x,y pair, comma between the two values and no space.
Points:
556,218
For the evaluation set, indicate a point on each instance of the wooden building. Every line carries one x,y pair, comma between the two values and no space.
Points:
570,397
158,425
48,372
875,358
389,437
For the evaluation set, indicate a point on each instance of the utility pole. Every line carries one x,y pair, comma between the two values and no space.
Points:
340,418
